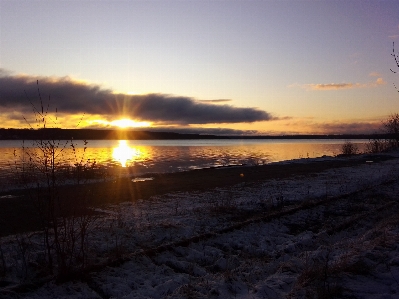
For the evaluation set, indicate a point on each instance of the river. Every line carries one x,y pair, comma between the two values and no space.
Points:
155,156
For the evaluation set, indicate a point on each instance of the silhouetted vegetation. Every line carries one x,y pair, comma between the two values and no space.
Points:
91,134
396,58
349,148
390,126
65,222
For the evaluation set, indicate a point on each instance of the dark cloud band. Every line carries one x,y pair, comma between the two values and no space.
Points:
69,96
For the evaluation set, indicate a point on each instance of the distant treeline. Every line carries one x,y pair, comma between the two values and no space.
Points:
107,134
91,134
327,136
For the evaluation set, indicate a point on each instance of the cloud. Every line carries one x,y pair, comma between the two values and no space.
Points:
207,131
375,74
19,92
312,126
330,86
340,86
216,101
187,130
378,82
351,127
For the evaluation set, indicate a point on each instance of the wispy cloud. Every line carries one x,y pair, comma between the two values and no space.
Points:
313,126
208,131
340,86
329,86
375,74
75,97
351,127
216,101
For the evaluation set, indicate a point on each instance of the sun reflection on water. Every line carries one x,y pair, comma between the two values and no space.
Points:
124,153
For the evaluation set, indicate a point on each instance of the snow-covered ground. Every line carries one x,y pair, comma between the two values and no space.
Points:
334,233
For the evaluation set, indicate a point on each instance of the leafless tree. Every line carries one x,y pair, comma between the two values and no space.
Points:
396,58
391,127
66,224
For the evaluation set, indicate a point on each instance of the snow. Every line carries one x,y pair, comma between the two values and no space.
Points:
335,232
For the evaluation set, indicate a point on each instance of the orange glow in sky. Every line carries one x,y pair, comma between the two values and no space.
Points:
269,67
128,123
122,123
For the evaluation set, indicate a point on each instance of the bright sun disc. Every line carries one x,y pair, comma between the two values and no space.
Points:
124,153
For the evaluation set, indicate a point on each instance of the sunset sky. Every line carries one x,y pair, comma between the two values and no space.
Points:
218,67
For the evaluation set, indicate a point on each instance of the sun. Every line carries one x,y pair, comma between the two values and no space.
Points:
122,123
124,153
128,123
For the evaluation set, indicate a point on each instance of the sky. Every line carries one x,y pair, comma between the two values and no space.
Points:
209,67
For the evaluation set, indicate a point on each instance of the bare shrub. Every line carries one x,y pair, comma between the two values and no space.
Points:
391,124
65,222
377,146
391,128
349,148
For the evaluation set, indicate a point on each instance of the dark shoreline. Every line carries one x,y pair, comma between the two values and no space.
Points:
17,213
108,134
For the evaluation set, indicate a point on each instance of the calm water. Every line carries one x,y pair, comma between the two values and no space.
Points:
148,156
